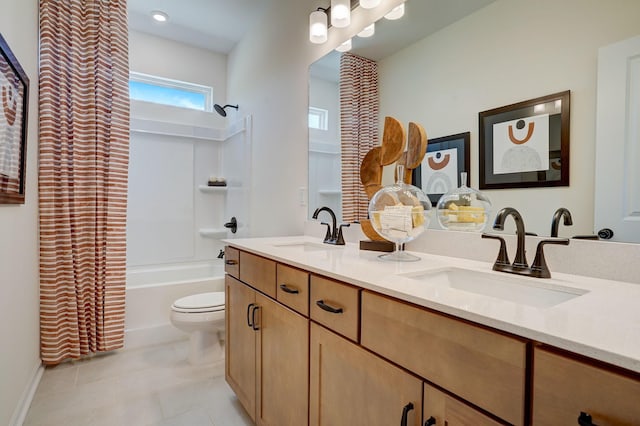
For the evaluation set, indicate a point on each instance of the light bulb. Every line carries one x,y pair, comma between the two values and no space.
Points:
368,31
340,13
395,13
369,4
344,47
318,27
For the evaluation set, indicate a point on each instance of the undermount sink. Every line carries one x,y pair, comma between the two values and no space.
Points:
307,246
526,291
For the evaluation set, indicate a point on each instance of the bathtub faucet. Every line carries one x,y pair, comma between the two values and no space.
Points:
221,254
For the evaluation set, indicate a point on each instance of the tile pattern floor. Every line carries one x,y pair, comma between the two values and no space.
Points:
153,386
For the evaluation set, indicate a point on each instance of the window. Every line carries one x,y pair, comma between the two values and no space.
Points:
318,118
164,91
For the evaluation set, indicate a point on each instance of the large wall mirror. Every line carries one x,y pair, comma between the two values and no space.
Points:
447,60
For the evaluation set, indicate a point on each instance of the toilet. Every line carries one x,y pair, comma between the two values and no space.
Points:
202,316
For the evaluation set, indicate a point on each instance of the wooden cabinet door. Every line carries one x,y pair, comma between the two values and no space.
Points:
282,353
351,386
240,346
442,409
564,387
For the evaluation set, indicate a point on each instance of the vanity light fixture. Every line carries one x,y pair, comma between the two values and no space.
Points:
318,26
369,4
395,13
368,31
340,13
159,16
344,47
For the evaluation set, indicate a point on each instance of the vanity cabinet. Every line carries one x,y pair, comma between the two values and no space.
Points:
232,261
267,350
484,367
442,409
565,387
351,386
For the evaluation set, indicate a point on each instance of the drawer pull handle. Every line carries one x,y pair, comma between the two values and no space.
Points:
430,421
253,318
584,419
405,414
328,308
230,262
289,290
249,306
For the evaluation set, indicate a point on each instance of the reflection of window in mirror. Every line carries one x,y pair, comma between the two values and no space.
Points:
318,118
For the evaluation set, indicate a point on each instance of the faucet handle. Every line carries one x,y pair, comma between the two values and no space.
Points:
539,269
503,257
327,236
340,238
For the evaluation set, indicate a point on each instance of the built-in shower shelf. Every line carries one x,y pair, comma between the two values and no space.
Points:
207,188
213,232
329,191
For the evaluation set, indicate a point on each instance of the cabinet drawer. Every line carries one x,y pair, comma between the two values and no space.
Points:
446,410
565,387
342,298
483,367
232,261
258,272
293,288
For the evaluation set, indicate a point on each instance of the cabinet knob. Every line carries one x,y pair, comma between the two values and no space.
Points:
328,308
430,421
405,414
584,419
288,289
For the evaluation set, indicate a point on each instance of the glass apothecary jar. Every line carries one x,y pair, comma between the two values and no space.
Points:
463,208
399,213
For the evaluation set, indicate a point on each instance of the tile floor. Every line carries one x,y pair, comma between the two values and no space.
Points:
148,386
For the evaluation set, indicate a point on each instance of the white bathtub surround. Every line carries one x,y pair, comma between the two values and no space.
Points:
601,323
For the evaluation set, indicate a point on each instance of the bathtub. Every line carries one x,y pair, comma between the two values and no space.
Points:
152,289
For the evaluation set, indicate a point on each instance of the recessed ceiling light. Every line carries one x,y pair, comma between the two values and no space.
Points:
160,16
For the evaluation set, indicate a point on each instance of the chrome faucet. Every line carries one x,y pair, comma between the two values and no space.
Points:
561,213
334,234
520,266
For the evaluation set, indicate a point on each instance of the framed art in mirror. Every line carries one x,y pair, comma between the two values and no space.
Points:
526,144
440,169
14,99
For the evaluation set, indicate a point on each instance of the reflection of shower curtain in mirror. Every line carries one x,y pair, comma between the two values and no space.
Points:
359,105
83,165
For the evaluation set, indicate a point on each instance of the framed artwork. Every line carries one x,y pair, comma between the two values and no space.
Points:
14,100
526,144
440,169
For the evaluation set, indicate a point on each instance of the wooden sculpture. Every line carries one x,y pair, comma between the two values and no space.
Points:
389,152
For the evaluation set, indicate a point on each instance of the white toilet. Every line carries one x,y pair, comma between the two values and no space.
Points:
202,316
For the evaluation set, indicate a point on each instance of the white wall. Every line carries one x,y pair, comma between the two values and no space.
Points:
19,305
511,51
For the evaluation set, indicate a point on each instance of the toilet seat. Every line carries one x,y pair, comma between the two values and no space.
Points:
198,303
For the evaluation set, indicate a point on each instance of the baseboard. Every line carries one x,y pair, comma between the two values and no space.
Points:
149,336
20,413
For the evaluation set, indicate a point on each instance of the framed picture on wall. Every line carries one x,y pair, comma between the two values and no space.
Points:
14,99
526,144
440,169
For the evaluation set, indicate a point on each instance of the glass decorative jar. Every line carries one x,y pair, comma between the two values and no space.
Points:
399,213
463,208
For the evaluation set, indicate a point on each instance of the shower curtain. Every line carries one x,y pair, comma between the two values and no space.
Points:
359,105
83,162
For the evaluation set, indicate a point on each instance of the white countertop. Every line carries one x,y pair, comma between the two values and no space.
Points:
603,323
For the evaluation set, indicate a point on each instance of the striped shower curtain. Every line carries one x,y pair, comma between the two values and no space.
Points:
83,164
359,105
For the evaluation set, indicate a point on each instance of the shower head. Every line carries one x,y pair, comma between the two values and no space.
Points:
221,109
